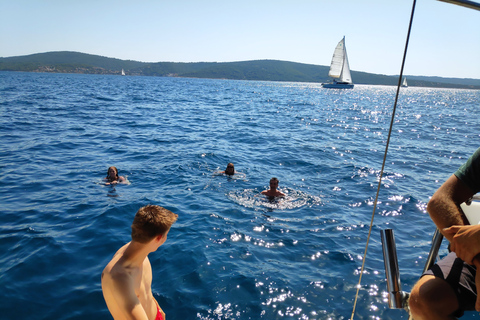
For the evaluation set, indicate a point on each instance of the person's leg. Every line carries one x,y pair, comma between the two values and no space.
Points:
433,298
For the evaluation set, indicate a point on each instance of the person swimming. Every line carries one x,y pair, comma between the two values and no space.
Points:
113,178
229,171
273,192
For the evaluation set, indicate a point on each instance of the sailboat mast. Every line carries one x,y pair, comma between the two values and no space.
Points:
343,61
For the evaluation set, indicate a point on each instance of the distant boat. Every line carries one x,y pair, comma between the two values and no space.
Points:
404,84
123,72
339,69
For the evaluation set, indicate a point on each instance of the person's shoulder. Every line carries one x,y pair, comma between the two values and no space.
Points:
119,253
109,274
469,172
115,274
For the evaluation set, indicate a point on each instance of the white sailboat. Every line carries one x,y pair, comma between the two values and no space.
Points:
404,84
340,69
123,72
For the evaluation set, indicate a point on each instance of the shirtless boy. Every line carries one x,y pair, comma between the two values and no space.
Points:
273,192
127,278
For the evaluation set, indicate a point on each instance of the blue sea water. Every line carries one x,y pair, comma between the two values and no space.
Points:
232,254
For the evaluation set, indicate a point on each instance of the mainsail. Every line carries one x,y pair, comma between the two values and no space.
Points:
339,68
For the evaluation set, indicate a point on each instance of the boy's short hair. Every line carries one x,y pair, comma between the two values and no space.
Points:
151,221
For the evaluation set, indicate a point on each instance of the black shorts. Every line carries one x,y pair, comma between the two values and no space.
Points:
461,277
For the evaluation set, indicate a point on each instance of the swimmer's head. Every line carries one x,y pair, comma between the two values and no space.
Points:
112,173
274,183
230,170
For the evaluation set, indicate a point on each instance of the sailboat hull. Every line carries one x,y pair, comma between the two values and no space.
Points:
338,85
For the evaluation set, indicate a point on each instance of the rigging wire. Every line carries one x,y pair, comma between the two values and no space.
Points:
384,157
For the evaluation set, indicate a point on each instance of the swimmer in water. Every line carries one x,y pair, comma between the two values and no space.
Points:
229,171
273,192
113,178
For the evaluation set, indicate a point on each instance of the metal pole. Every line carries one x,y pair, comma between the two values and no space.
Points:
396,297
433,254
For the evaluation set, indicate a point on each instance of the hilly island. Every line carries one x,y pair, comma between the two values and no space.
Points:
263,70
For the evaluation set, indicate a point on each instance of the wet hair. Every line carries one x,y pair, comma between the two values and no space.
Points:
232,166
274,179
116,172
151,221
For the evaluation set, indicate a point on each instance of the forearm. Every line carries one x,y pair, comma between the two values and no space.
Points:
444,206
445,214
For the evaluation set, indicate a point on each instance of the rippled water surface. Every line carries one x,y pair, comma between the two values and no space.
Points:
232,254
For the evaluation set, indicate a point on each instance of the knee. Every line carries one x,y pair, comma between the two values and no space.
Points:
417,304
432,298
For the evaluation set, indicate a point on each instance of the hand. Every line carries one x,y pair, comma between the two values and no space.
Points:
465,242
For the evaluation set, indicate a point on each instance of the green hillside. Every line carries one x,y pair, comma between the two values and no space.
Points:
265,70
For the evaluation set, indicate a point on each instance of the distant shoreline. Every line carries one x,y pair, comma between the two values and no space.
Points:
260,70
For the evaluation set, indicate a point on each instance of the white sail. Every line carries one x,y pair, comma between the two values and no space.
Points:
404,84
123,72
337,60
345,76
339,68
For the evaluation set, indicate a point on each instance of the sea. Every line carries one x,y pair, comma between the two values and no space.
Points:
232,254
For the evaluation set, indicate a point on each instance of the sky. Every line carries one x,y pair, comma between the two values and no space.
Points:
445,38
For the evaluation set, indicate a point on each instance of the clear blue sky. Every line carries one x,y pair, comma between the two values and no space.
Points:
445,38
